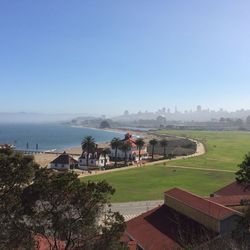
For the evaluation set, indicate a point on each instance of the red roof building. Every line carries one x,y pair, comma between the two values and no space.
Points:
199,204
133,153
164,228
185,220
234,188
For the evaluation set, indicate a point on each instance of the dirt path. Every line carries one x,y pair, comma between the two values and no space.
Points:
200,150
204,169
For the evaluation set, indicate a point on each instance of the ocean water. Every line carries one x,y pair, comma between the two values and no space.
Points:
50,136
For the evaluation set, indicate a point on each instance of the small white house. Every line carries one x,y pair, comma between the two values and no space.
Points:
96,160
64,162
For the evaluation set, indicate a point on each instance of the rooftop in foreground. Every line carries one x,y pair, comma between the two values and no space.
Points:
233,188
165,228
206,206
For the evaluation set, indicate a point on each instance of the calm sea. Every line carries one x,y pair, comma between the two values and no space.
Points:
50,136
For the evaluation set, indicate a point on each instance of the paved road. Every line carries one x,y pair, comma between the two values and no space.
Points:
132,209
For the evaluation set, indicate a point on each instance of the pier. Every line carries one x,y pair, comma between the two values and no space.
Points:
34,152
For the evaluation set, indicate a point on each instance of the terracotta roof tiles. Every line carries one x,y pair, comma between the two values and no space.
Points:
160,229
201,204
232,189
233,200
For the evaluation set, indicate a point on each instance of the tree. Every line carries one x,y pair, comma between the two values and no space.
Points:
153,143
164,144
140,144
115,144
16,172
105,124
125,147
106,151
241,234
58,208
88,145
243,174
66,211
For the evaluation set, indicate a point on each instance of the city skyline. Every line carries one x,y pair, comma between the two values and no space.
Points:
100,57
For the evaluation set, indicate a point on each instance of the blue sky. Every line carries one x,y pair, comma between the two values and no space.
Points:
88,56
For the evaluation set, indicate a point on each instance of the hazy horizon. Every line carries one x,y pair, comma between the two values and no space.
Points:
104,57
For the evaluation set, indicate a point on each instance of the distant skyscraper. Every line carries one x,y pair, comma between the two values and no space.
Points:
199,108
126,112
175,109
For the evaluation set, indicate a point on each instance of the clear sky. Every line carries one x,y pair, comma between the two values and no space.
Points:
89,56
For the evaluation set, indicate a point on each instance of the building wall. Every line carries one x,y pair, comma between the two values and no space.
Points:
60,166
229,224
120,153
130,155
196,215
96,163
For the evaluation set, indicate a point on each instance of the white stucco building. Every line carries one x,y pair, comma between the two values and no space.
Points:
96,160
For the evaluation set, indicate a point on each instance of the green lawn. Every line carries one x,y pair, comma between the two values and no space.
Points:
149,183
225,150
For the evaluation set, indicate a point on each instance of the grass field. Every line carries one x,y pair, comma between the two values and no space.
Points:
149,183
224,151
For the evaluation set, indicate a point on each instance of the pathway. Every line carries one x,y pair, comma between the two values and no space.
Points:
130,210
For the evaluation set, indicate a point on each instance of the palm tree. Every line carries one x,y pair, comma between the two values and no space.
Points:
153,142
115,144
164,144
140,144
106,151
125,147
88,145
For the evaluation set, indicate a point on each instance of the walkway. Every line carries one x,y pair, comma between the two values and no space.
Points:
130,210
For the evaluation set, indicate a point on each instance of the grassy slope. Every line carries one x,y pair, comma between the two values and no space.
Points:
224,149
149,183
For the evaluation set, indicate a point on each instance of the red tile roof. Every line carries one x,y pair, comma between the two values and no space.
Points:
129,139
41,243
203,205
164,228
232,189
233,200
